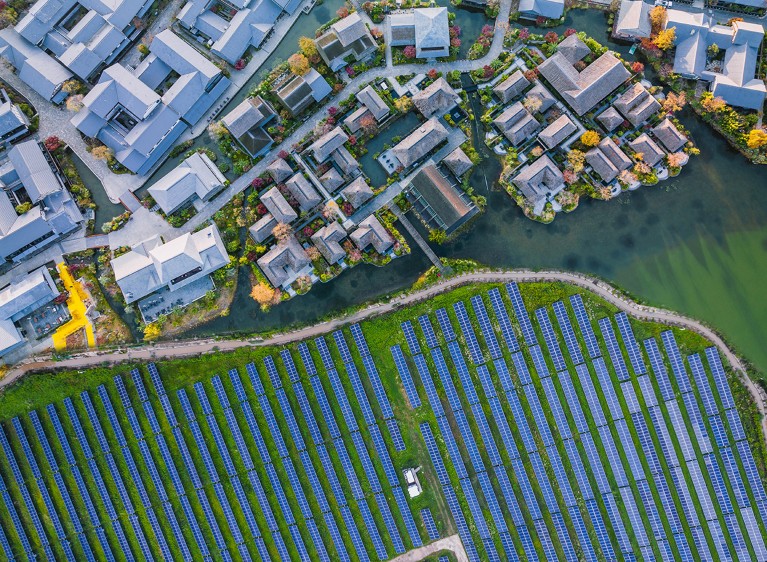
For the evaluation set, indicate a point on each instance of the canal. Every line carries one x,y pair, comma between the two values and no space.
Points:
696,244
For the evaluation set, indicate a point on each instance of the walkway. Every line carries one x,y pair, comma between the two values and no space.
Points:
77,309
452,543
196,347
418,238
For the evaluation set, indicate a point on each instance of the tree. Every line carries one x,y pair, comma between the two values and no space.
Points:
757,138
657,18
590,138
570,177
403,104
637,67
438,236
627,177
665,38
75,103
342,12
23,208
532,103
263,294
675,159
409,52
313,253
217,130
308,47
551,37
369,125
531,74
711,103
487,71
52,143
299,64
240,64
433,74
71,86
102,152
283,154
576,159
674,102
282,231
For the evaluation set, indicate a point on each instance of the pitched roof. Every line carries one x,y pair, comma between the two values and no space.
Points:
278,206
344,159
601,164
197,176
516,123
547,99
262,228
302,190
327,240
26,294
651,152
350,29
435,98
539,181
420,142
573,48
324,146
633,19
368,97
458,162
618,158
557,131
583,90
34,171
279,169
331,180
371,231
637,104
511,86
431,28
300,92
353,120
250,113
551,9
441,197
358,192
283,262
11,117
667,133
610,119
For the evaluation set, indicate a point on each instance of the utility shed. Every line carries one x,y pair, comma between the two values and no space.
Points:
439,203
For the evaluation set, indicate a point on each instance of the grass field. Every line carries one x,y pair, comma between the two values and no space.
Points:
321,502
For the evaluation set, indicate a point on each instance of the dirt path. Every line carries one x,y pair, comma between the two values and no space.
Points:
195,347
452,543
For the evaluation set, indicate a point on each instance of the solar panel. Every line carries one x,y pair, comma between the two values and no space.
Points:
521,421
359,339
736,427
519,365
274,428
520,311
632,402
561,476
290,366
720,542
667,503
613,458
698,426
327,359
431,526
271,370
630,342
367,464
720,433
396,435
528,495
410,338
701,381
606,385
306,410
731,524
680,430
378,389
486,327
343,349
428,332
539,361
543,482
306,359
20,533
595,463
613,349
720,378
407,517
343,401
617,523
479,519
500,420
571,399
666,445
383,455
583,536
111,417
461,369
404,374
624,436
359,392
445,325
699,484
328,417
446,379
648,392
733,475
749,467
675,358
650,509
755,536
555,352
688,507
566,327
468,439
350,526
540,418
585,326
714,472
461,524
468,333
636,524
659,369
564,537
591,395
290,420
503,320
578,469
389,523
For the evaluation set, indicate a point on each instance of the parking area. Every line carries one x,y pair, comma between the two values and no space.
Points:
165,301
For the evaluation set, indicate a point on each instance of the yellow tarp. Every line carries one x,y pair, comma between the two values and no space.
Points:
77,308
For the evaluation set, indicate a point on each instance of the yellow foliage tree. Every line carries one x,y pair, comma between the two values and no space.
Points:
590,138
576,159
403,104
102,153
657,18
299,64
712,104
152,331
757,138
75,102
665,38
282,231
674,102
263,294
308,47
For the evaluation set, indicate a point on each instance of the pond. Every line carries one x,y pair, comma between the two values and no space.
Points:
399,128
105,209
696,244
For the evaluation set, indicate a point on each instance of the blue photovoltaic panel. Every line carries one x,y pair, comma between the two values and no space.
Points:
718,430
561,476
306,359
652,511
336,490
571,342
624,437
428,386
112,418
613,458
613,349
680,430
407,517
389,523
328,417
446,379
606,385
564,537
428,332
383,455
555,352
138,384
712,468
343,401
290,366
271,370
659,369
460,523
720,378
498,414
661,430
396,435
520,311
521,421
585,326
733,475
701,381
580,531
431,526
468,439
410,338
359,339
378,388
11,508
405,376
632,403
327,359
314,533
688,507
699,485
591,395
454,453
635,519
468,333
719,541
752,475
540,418
571,399
755,536
578,469
668,504
343,348
503,374
731,524
556,408
527,490
698,426
627,335
359,393
486,327
463,372
154,376
445,325
617,522
523,373
736,427
503,320
539,361
595,463
434,454
648,392
543,482
351,527
367,464
675,358
306,410
274,428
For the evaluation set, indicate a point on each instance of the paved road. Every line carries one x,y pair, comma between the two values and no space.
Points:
197,347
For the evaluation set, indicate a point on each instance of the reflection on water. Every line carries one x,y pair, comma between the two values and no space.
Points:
399,128
105,209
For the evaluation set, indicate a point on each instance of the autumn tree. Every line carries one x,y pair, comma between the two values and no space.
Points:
369,125
665,38
282,231
409,52
217,130
102,152
299,64
532,103
757,138
576,159
308,47
313,253
403,104
263,294
590,138
342,12
675,159
75,103
657,18
712,104
674,102
71,86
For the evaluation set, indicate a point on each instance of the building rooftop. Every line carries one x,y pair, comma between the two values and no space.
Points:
669,136
324,146
559,130
279,169
441,199
369,98
539,182
358,192
278,206
371,232
637,104
328,241
304,193
299,92
420,142
195,177
436,98
511,87
651,152
601,164
610,119
283,263
458,162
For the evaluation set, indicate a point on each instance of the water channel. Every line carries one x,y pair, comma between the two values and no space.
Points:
696,243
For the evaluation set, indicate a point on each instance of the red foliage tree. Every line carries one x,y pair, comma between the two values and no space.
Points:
487,71
283,154
342,12
432,74
570,31
524,33
551,37
52,143
637,67
240,64
409,52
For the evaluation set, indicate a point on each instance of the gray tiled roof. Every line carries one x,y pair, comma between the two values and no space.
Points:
34,171
557,131
637,104
331,180
442,197
431,28
283,263
371,231
651,152
279,170
420,142
573,48
327,240
352,121
539,182
610,119
302,190
368,97
618,158
551,9
262,228
601,164
278,206
358,192
324,146
667,133
458,162
344,160
196,177
437,97
511,86
516,123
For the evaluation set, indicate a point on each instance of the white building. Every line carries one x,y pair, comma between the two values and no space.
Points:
197,177
425,28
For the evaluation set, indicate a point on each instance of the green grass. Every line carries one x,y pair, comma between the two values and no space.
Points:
36,391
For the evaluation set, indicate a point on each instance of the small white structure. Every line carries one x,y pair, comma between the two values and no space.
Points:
197,177
414,488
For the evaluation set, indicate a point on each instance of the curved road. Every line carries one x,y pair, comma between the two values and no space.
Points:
196,347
